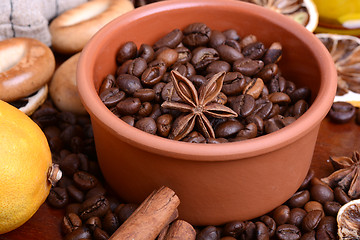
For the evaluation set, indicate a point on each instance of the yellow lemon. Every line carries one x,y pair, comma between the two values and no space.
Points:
25,166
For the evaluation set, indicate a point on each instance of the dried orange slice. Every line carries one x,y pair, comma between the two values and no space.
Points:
345,51
302,11
348,220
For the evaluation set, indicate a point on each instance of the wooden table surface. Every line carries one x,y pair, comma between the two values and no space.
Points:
333,140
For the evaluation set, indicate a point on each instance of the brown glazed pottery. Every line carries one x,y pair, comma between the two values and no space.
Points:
216,183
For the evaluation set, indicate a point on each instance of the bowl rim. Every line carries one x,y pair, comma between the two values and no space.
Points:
208,152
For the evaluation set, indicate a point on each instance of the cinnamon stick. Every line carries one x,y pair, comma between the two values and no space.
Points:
180,229
154,213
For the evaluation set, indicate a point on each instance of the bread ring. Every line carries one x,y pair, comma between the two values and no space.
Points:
26,65
29,104
72,30
63,89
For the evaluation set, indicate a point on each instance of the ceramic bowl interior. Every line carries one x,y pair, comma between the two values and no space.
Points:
305,61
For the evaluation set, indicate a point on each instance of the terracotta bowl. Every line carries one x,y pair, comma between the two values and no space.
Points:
215,183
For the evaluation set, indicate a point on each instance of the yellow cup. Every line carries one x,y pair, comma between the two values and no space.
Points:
339,16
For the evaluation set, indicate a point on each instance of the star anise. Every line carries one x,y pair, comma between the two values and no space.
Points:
347,176
196,105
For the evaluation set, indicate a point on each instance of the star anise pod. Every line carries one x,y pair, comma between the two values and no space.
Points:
196,105
347,176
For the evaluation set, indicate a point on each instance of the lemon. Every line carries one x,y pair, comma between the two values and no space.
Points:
348,220
25,166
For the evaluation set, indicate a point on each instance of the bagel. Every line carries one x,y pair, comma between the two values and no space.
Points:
63,89
26,66
71,30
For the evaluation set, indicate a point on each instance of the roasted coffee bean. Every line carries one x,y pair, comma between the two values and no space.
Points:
281,214
156,111
258,122
217,38
254,50
128,106
169,56
321,193
308,236
243,105
254,88
329,224
124,211
146,52
45,116
300,108
184,54
279,98
208,233
248,66
323,234
249,131
288,232
247,40
100,234
58,197
268,72
70,164
196,34
270,224
341,112
123,68
70,223
107,83
127,51
158,90
228,53
146,124
289,87
85,181
94,207
331,208
341,196
163,124
262,232
93,222
72,208
218,66
311,220
111,96
137,67
277,84
110,222
233,228
55,144
98,190
216,140
303,93
154,73
231,34
299,199
145,94
249,231
227,238
170,40
203,56
145,109
273,54
80,233
306,183
228,129
75,193
169,93
296,216
273,124
129,120
234,83
128,83
263,108
313,205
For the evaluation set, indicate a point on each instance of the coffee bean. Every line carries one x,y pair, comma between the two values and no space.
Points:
107,83
100,234
110,97
321,193
311,220
184,54
218,66
58,197
229,54
279,98
70,223
145,94
233,228
168,56
248,66
307,180
231,34
154,73
137,67
170,40
208,233
73,208
288,232
203,56
299,199
75,193
296,216
98,190
163,124
313,205
93,222
262,232
79,233
228,129
145,109
281,214
254,50
217,38
309,236
249,230
124,211
196,34
146,52
127,51
128,106
254,88
341,112
273,54
146,124
110,222
270,224
329,224
128,83
268,72
341,196
96,206
85,181
331,208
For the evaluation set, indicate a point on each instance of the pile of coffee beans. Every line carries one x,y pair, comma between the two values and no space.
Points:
92,211
253,86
